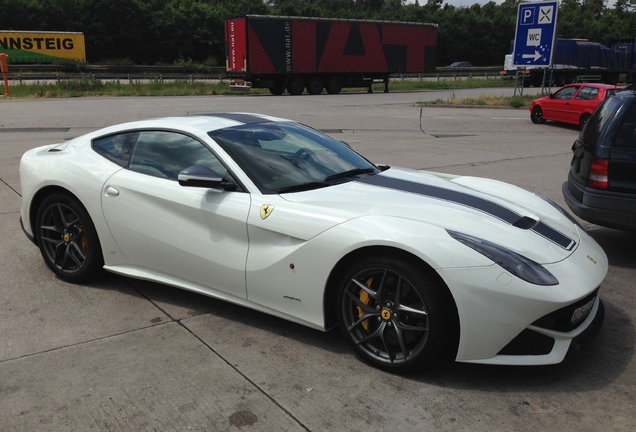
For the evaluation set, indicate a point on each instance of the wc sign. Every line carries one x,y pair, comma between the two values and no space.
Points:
535,34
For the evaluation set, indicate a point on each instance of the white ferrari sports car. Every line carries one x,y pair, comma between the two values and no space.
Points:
276,216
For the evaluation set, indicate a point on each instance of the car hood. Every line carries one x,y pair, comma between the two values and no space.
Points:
492,210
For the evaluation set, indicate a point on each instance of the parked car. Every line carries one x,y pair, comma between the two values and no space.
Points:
278,217
460,64
601,186
573,104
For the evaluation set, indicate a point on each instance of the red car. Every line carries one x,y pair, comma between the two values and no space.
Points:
572,104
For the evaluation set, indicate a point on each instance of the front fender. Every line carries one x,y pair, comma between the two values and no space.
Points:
292,276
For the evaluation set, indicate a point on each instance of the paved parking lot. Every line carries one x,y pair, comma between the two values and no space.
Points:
123,354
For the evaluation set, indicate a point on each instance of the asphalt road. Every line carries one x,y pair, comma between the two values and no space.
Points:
127,355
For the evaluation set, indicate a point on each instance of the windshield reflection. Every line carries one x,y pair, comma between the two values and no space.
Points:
287,157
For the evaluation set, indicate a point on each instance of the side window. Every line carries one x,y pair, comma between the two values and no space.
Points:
566,93
116,148
587,93
164,154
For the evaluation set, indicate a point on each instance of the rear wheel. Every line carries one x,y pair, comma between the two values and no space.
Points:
333,84
315,85
537,115
67,239
295,86
395,316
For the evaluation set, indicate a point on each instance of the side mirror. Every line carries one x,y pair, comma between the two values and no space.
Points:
202,176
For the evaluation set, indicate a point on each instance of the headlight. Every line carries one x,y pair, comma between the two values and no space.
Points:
516,264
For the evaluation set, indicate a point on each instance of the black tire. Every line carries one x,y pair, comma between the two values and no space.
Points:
395,315
333,84
67,239
295,86
584,118
315,85
537,115
277,90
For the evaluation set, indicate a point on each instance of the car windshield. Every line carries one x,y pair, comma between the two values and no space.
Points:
290,157
594,125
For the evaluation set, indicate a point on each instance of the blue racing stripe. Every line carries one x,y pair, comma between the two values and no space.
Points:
474,202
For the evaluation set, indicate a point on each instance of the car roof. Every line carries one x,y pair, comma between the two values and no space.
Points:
596,85
200,122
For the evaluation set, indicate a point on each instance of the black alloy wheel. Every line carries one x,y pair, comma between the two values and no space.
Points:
67,239
396,316
537,115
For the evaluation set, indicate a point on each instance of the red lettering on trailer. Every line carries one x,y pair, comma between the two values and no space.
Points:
258,57
334,58
304,54
416,40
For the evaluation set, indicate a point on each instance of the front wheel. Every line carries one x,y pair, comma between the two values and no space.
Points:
395,315
67,239
537,115
584,118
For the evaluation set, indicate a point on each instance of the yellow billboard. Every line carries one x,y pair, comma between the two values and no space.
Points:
42,46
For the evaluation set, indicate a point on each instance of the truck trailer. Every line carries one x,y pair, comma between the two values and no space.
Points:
578,60
298,53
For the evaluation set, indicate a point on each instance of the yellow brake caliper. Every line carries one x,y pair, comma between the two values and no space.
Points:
364,298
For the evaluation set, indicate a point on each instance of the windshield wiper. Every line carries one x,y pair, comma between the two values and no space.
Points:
304,187
351,173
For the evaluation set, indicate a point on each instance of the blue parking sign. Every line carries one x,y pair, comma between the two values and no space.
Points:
535,33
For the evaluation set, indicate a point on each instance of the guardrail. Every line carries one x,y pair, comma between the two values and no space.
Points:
138,73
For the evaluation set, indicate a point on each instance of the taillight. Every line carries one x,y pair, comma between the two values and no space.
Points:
599,178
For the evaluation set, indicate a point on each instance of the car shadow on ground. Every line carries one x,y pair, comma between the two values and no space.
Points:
584,369
618,245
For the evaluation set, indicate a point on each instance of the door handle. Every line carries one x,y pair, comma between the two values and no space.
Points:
111,191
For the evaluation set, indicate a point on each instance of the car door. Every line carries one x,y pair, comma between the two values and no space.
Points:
185,235
559,106
585,101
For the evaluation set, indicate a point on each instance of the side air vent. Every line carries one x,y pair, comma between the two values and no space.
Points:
525,223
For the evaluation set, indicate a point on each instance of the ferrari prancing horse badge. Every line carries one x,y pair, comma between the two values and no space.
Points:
266,210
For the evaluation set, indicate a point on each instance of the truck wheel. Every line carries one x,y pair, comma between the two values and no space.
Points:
334,84
295,86
315,85
277,90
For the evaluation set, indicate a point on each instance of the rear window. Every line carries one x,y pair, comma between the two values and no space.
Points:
595,124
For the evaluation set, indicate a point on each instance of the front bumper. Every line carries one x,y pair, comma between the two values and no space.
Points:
28,234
